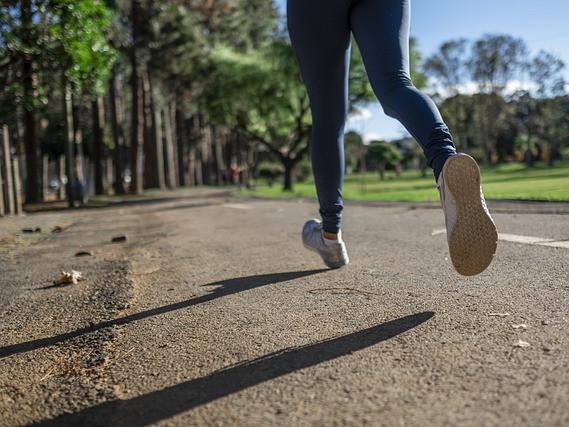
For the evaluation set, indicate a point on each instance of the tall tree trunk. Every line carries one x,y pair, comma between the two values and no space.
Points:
192,165
2,207
159,139
108,174
6,171
182,138
205,149
528,154
78,141
151,175
88,174
69,146
216,166
29,82
118,136
290,169
198,163
61,177
17,187
137,139
98,124
251,162
170,164
193,126
233,149
219,137
174,131
137,119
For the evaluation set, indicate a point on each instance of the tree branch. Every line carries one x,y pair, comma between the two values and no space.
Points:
304,150
300,132
302,135
262,140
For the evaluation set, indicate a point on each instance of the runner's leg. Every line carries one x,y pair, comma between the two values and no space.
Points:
381,29
320,35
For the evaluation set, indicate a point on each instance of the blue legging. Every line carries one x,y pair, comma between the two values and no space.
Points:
320,34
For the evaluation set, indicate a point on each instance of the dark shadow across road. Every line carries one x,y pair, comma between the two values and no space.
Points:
163,404
224,288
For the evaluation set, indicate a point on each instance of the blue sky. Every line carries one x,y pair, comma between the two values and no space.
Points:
542,25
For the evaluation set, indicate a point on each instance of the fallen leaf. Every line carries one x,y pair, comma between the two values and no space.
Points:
520,326
521,344
72,278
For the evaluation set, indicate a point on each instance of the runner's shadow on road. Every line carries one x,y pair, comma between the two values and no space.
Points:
222,288
163,404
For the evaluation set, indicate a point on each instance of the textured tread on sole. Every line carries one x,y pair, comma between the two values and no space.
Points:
473,240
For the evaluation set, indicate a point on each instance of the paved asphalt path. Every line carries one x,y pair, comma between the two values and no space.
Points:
212,313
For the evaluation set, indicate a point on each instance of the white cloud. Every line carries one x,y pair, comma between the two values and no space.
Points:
371,136
361,115
516,85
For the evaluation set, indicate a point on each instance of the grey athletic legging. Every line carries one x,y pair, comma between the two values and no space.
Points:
320,34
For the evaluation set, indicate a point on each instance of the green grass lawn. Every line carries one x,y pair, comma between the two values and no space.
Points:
512,181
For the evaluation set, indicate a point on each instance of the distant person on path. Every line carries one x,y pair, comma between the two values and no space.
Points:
320,31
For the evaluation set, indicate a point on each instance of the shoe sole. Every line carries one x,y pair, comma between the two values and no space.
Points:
329,264
473,240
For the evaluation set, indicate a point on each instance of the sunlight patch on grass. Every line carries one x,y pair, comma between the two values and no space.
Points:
512,181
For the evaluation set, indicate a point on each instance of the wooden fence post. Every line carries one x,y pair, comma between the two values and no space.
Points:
61,176
2,210
17,187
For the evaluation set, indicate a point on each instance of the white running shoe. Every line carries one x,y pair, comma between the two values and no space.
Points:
471,232
332,252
